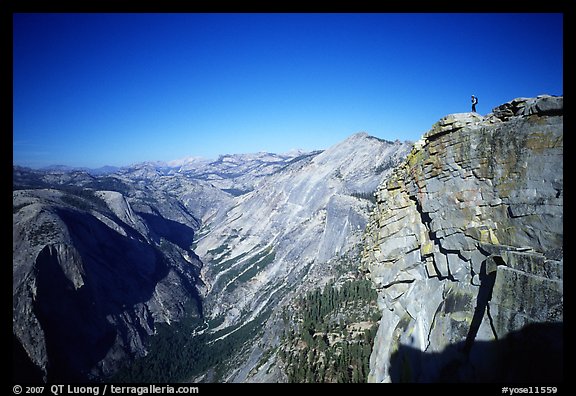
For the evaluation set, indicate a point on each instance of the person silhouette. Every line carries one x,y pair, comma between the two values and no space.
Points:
474,103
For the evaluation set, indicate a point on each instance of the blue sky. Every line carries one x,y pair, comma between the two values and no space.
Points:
116,89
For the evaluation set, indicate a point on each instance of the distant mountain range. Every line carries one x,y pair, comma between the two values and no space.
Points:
187,164
93,171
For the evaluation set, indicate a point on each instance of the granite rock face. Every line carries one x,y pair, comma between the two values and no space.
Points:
465,247
284,238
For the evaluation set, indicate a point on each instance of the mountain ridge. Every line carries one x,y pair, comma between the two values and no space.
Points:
173,165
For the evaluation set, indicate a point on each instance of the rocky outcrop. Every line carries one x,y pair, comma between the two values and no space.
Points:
465,248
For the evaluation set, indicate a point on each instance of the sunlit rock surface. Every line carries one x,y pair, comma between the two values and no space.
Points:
466,246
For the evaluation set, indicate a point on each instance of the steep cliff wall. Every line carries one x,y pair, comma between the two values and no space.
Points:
465,248
93,274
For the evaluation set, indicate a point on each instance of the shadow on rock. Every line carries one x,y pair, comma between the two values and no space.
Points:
82,320
533,354
173,231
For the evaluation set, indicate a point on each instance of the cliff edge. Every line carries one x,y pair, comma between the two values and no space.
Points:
465,248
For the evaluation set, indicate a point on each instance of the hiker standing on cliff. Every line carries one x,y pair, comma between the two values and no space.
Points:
474,102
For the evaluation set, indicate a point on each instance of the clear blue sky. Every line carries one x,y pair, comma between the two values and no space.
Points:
115,89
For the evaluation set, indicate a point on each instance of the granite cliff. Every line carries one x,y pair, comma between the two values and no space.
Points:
465,248
94,271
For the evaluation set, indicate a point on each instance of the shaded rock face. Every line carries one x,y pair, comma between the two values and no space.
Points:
465,244
91,278
533,354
